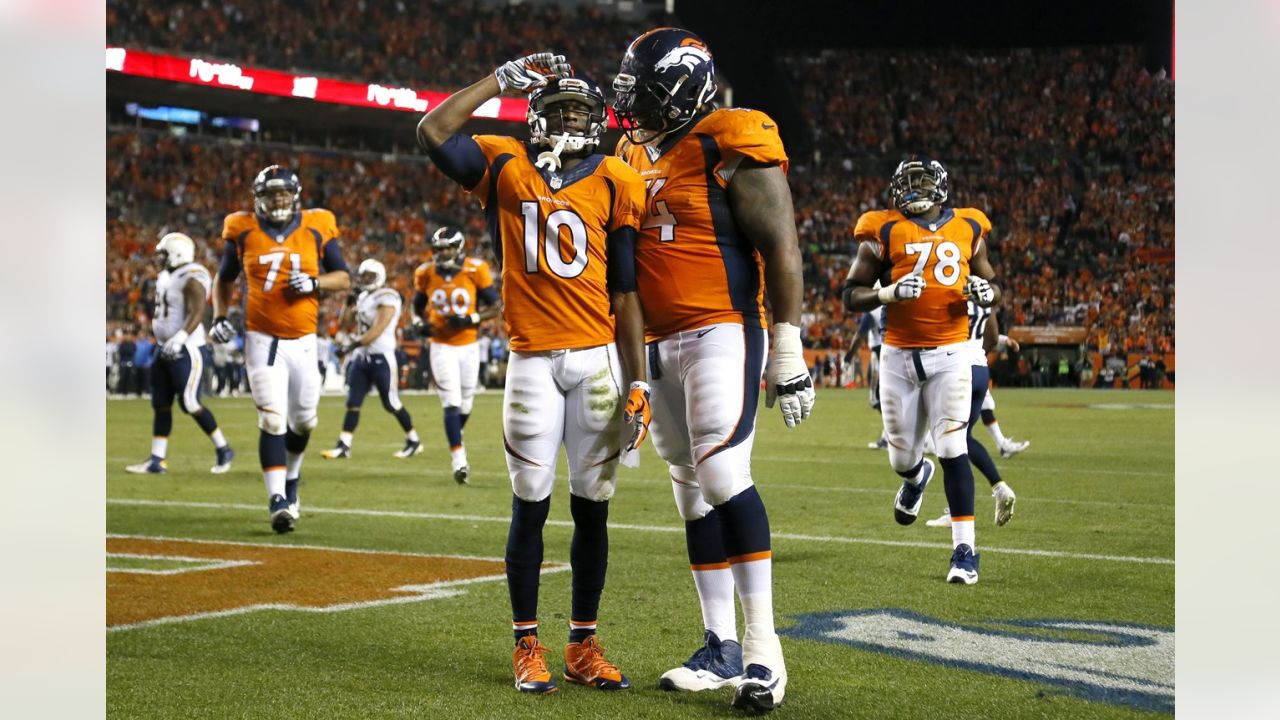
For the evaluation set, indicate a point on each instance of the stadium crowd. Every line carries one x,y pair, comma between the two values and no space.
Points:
1068,151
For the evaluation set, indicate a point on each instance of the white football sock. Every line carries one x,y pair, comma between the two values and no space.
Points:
294,461
994,429
345,438
412,436
962,533
159,446
715,593
274,479
219,440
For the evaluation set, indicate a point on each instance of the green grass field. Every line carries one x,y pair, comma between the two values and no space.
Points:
1092,541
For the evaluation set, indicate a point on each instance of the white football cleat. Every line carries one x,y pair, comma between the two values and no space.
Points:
1004,502
943,521
411,448
1011,448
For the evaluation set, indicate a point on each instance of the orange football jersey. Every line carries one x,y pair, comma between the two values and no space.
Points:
940,253
693,266
453,294
267,259
550,234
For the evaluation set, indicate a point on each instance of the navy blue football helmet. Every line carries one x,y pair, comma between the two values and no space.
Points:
918,184
666,79
271,179
545,106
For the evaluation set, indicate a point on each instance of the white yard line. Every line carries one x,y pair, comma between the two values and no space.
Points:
642,528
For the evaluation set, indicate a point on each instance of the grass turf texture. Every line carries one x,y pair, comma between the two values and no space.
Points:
1095,482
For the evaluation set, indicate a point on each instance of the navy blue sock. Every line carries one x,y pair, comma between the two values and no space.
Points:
162,425
589,557
524,559
744,525
463,417
453,426
406,422
705,540
351,420
270,449
981,459
988,416
295,443
957,478
204,418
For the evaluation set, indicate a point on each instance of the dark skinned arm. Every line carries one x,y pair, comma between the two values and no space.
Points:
449,116
761,203
630,336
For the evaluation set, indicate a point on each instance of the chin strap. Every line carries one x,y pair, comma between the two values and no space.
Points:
552,157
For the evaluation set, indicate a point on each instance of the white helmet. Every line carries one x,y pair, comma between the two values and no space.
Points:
371,267
177,249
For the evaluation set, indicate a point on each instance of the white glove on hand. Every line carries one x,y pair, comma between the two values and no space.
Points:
788,378
908,288
979,290
172,349
302,283
222,331
531,71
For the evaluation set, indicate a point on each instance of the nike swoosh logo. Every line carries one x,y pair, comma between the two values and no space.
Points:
767,126
952,352
704,332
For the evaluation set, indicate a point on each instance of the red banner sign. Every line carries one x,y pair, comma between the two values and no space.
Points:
213,73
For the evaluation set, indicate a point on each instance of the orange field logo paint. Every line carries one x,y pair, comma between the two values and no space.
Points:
194,579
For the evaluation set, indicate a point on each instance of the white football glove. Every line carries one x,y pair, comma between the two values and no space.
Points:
908,288
531,71
788,378
302,283
172,348
979,290
222,330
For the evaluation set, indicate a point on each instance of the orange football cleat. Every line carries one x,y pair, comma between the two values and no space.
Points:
584,664
530,663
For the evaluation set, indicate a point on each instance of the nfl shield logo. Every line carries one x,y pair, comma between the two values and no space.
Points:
652,152
556,182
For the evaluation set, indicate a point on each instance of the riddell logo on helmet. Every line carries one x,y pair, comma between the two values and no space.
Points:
686,55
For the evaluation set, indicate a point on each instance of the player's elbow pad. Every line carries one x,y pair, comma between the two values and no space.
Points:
846,295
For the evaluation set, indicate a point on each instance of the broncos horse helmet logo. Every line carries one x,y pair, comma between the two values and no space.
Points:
687,55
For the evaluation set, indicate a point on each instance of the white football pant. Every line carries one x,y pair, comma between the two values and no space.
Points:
563,397
455,369
706,386
925,392
284,380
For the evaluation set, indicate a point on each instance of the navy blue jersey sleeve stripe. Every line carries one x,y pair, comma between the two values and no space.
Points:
461,159
977,230
741,269
332,260
484,296
613,198
885,230
230,267
419,303
621,264
491,208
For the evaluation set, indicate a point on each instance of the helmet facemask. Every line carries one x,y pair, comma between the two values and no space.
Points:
371,275
919,185
446,249
569,117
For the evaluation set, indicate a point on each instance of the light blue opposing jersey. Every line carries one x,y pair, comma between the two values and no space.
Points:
367,313
978,318
171,308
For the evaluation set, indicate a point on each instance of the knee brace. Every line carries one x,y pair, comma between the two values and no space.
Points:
950,444
689,501
465,407
903,459
305,425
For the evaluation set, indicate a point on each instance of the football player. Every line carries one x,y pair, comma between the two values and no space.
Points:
870,331
289,256
181,289
931,259
563,219
454,294
719,228
371,358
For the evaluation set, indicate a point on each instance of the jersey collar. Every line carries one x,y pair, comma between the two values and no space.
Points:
558,181
947,216
655,152
281,234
